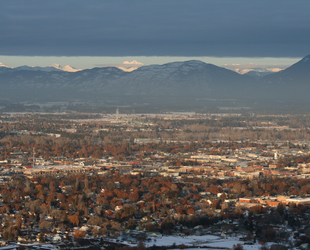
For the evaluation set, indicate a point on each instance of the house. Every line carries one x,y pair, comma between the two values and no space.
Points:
57,238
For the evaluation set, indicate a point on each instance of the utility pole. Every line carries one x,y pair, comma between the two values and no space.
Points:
117,112
33,157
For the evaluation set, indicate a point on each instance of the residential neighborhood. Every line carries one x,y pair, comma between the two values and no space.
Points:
117,181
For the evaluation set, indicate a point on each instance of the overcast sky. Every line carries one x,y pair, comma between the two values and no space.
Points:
155,29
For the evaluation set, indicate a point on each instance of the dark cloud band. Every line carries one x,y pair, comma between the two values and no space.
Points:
155,28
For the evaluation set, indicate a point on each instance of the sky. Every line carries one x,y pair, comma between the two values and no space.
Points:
92,33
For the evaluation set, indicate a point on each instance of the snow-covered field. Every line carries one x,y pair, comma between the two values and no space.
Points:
194,242
199,241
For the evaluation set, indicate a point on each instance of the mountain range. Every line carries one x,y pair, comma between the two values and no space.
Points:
168,82
54,67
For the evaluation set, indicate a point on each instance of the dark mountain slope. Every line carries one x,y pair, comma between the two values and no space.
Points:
291,83
191,79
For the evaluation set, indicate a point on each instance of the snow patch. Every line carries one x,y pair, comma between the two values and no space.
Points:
130,66
66,68
128,69
196,241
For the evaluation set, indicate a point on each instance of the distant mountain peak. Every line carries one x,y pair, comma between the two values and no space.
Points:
194,62
190,62
66,68
3,65
130,66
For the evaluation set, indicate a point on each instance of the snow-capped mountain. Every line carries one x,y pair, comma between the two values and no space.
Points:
130,66
66,68
3,68
2,65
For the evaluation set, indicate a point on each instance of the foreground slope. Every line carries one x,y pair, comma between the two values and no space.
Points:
291,83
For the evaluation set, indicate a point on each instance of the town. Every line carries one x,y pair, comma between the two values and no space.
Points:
154,181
